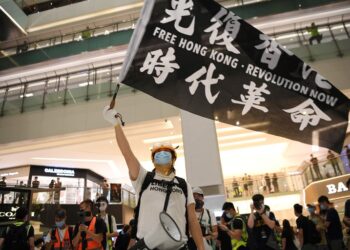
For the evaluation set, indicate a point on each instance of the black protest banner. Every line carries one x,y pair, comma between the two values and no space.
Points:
200,57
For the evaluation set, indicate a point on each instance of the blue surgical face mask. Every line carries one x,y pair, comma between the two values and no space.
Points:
162,158
60,224
311,210
323,207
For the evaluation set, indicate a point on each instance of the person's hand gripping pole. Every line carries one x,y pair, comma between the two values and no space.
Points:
110,114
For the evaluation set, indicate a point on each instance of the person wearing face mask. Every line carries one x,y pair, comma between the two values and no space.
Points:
60,237
158,191
90,233
206,221
102,204
237,228
262,224
334,233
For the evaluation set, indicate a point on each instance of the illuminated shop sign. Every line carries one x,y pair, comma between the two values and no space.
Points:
60,171
9,174
337,188
334,188
8,213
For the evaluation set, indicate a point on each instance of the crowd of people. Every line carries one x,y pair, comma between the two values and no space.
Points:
248,185
320,228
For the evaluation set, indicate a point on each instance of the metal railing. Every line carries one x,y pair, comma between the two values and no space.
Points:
24,45
288,181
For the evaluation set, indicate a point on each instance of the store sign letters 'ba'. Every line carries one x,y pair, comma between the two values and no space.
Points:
202,58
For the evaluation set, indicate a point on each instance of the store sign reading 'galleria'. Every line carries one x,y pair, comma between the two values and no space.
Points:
60,171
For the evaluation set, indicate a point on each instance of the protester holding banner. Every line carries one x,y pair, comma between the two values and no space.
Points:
164,192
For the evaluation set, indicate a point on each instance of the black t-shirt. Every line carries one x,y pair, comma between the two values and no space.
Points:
100,228
289,240
224,238
334,231
302,223
237,224
347,208
261,231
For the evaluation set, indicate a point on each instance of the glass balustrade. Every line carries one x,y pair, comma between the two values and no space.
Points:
243,187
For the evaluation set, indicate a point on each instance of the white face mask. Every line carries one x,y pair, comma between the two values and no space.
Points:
229,215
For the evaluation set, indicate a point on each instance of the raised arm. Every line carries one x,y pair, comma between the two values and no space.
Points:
130,159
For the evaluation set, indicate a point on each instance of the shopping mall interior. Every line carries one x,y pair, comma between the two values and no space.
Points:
59,65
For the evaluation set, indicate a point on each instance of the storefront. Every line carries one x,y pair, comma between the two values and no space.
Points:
79,184
76,185
334,188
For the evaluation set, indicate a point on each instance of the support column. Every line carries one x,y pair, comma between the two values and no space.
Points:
202,156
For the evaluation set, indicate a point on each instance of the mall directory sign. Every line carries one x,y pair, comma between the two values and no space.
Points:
203,58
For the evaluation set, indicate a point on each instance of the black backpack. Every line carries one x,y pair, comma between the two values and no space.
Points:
314,235
148,179
17,237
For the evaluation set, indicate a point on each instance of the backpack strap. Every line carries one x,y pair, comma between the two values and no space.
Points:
183,186
209,217
110,223
149,177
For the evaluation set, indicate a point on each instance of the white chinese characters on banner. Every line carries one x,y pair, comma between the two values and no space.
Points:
272,52
232,27
181,8
163,65
207,82
319,80
306,114
254,98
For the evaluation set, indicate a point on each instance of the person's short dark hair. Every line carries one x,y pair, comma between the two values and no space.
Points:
267,208
21,213
38,242
36,177
102,199
298,208
348,183
228,205
89,203
258,197
323,198
4,178
311,206
61,213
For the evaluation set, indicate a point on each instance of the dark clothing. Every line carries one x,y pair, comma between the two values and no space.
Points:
289,240
122,241
17,233
100,228
347,208
334,230
237,224
268,182
35,184
2,183
316,168
223,236
303,223
259,235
